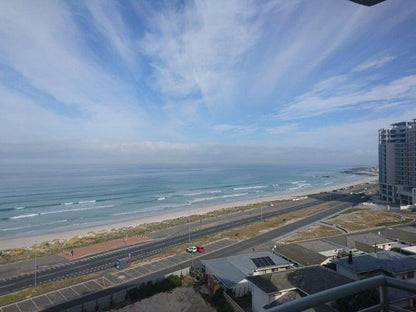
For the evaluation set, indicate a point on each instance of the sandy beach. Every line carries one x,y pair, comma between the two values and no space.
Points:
22,242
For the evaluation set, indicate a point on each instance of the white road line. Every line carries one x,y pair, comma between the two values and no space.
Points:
35,304
59,291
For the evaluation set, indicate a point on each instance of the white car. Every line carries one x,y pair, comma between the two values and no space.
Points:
191,249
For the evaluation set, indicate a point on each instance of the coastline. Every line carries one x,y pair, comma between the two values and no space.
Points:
25,242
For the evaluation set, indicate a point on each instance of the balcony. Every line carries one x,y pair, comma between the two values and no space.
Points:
381,282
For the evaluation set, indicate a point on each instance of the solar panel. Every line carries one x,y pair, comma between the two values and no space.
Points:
263,262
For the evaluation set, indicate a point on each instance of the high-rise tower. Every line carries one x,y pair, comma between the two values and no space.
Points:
397,163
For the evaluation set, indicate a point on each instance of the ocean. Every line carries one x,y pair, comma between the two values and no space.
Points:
36,200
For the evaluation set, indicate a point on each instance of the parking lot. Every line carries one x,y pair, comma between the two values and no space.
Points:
43,301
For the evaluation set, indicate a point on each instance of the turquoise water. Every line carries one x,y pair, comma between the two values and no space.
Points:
39,199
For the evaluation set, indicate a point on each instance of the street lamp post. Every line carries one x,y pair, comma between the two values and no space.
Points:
36,267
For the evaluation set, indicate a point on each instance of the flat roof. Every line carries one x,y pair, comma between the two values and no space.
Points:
368,239
320,245
388,261
310,280
402,234
299,254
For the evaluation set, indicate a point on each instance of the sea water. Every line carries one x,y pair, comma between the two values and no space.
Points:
49,198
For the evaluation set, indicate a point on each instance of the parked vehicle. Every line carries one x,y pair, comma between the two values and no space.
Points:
122,263
191,249
200,248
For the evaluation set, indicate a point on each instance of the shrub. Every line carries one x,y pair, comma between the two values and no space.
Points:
219,302
150,289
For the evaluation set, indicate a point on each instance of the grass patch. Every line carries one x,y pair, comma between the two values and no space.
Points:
368,218
406,220
254,229
312,232
242,232
351,210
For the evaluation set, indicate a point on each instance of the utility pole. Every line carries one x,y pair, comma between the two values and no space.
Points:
36,266
189,232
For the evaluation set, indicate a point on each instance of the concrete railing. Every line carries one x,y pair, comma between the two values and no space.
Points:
381,282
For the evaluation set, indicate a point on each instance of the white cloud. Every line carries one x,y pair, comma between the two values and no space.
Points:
233,129
43,44
323,98
195,50
215,68
109,22
349,137
374,63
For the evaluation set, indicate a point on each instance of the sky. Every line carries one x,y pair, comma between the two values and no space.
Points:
276,81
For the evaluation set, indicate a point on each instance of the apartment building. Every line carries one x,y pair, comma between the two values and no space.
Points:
397,163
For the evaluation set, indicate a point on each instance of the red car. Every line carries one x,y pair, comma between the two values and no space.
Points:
200,249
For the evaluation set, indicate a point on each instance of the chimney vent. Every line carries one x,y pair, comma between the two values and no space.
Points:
350,257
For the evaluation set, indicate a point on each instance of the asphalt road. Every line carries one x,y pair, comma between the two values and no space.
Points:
231,250
104,261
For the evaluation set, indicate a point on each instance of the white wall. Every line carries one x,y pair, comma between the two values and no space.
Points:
259,299
241,288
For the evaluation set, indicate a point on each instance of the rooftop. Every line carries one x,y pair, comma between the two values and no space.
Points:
319,245
300,254
234,269
293,295
387,261
309,280
368,239
405,234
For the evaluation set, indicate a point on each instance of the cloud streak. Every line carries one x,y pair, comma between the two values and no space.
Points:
374,63
158,80
324,100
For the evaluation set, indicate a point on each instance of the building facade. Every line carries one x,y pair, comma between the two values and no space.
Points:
397,163
231,272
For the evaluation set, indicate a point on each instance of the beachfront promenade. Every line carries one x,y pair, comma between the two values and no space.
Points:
147,249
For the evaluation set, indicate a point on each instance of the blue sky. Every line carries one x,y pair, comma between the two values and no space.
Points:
203,81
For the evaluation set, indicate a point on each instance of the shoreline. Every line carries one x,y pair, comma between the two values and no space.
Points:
27,241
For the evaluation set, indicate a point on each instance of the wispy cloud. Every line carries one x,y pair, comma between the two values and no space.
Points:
156,77
375,63
109,23
325,98
233,129
194,51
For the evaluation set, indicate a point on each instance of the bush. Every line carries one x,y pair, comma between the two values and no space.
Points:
150,289
219,302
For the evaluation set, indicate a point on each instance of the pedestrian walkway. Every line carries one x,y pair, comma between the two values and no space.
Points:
84,251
